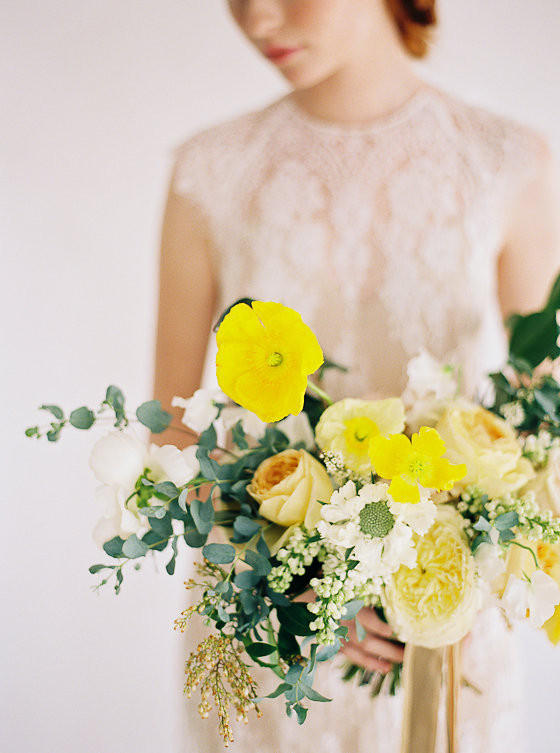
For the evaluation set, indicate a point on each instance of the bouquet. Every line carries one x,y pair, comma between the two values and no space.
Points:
426,506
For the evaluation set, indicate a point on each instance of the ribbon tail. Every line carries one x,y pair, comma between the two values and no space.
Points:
423,670
453,683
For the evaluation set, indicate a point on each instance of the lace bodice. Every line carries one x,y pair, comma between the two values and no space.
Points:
385,237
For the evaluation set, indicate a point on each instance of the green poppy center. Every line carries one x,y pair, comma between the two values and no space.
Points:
275,359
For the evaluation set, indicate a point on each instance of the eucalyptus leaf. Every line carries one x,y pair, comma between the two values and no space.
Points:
246,579
82,418
219,554
152,415
194,539
245,528
133,547
114,546
203,515
351,609
259,563
256,650
167,489
56,410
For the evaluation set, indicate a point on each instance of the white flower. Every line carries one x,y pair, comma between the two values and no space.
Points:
381,542
513,413
430,386
168,463
298,429
539,596
490,563
117,519
118,458
200,409
419,516
252,425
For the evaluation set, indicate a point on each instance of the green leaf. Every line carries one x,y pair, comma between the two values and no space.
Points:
32,431
170,567
162,527
506,520
296,619
96,568
194,539
154,539
245,527
246,579
287,643
249,603
207,440
133,547
325,653
114,398
256,650
114,546
360,630
54,434
82,418
153,512
54,409
182,501
259,563
225,589
219,554
238,436
312,694
152,415
203,515
301,713
279,690
167,489
351,609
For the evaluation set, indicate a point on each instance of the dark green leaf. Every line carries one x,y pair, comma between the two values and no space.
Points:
238,436
167,489
182,501
296,619
203,515
287,643
256,650
301,713
114,398
96,568
246,579
152,415
225,589
133,547
279,690
154,540
56,411
194,539
162,527
207,440
248,602
170,567
82,418
114,546
219,554
245,528
259,563
312,694
262,548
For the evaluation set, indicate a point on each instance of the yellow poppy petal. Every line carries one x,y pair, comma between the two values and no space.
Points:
445,474
552,626
403,491
389,454
428,442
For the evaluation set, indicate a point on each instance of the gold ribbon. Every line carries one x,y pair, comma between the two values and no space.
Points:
424,671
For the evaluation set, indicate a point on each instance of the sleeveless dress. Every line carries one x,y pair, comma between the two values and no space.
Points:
385,237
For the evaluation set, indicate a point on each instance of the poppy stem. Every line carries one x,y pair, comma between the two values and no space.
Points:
319,392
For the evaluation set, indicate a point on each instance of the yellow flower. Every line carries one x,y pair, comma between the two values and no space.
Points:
549,559
434,603
346,428
412,462
487,445
290,487
265,354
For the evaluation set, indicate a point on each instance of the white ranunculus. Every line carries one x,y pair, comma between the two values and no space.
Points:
200,409
252,425
298,429
539,596
431,385
168,463
117,519
118,458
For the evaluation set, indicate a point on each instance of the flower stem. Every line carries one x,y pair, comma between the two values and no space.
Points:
528,548
319,392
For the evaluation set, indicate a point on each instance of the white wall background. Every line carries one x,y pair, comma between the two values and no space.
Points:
95,96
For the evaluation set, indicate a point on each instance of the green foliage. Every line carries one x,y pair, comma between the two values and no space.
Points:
133,547
82,418
56,411
219,554
152,415
114,398
202,515
114,547
534,337
238,436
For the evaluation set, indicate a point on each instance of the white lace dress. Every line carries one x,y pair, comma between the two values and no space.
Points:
385,237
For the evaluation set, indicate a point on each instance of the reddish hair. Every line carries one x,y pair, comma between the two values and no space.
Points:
415,20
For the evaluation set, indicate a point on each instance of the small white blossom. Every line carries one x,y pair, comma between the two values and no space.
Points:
513,413
431,385
539,596
200,409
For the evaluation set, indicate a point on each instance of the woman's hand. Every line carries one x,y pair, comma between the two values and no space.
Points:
375,652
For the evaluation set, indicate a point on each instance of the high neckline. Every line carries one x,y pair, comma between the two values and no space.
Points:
398,115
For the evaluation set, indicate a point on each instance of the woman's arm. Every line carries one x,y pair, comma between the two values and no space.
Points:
530,257
187,295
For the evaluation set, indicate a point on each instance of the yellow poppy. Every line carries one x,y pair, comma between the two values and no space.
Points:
265,354
411,462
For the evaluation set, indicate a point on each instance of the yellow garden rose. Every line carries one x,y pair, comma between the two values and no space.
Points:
488,447
347,427
546,484
434,603
289,487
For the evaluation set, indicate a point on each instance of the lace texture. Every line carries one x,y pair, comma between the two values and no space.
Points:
385,237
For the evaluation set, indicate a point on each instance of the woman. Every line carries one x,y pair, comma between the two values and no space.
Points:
392,216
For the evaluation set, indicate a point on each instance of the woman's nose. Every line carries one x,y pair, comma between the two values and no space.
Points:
261,18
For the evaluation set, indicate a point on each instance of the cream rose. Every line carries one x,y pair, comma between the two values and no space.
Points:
288,487
435,602
488,447
546,484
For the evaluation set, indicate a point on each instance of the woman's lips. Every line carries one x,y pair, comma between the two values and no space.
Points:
279,54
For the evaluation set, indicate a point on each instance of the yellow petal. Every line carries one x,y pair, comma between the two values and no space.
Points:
389,455
552,626
445,474
428,442
403,491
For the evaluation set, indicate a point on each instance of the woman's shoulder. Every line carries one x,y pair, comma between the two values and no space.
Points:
220,151
503,144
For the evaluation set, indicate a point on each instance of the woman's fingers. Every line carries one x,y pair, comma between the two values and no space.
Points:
372,623
377,646
357,656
